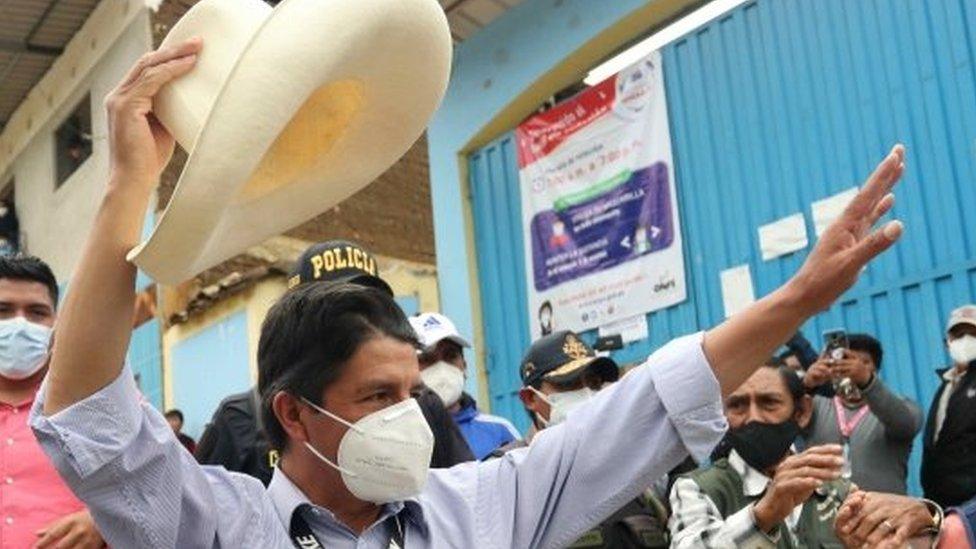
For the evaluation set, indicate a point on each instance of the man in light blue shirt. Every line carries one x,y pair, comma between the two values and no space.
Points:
337,366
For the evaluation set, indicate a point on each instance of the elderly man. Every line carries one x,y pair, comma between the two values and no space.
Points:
337,370
759,492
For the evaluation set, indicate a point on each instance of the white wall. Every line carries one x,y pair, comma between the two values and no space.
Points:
54,223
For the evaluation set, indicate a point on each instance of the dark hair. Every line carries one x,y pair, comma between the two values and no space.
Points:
309,335
175,413
31,269
792,381
866,344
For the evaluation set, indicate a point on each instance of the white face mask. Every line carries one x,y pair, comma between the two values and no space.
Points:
385,456
561,404
23,347
445,379
963,349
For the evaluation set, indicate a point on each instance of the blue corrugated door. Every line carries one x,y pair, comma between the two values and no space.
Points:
774,106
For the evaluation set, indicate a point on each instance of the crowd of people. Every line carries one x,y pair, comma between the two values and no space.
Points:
359,432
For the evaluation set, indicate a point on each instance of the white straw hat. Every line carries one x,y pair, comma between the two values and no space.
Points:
288,112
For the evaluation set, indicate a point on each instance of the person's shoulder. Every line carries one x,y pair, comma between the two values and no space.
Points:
233,486
238,403
498,421
255,519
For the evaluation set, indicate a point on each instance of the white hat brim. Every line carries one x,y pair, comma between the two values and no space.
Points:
395,54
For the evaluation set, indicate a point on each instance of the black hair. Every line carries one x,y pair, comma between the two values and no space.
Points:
175,413
309,335
31,269
792,381
866,344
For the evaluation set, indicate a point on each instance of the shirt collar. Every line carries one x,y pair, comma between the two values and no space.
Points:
753,482
286,497
467,413
953,375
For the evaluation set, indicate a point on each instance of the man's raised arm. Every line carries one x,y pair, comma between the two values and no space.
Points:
95,324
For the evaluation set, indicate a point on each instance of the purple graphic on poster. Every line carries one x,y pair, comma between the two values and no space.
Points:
605,225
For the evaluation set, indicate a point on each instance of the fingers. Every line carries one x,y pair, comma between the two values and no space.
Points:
50,536
876,243
163,55
878,184
156,76
72,539
883,207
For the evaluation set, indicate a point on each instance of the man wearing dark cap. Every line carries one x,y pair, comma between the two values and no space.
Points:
235,438
560,372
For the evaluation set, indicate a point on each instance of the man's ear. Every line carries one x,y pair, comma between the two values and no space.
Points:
288,410
528,398
804,412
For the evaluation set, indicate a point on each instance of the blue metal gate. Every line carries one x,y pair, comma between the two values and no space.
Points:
774,106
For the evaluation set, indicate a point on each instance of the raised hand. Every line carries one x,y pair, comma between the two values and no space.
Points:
849,243
140,146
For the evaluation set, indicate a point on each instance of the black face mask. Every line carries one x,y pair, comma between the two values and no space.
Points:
762,445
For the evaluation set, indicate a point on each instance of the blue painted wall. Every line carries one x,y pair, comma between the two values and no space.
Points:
772,107
145,359
208,367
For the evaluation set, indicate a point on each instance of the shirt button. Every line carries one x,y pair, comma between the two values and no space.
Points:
9,480
10,520
10,442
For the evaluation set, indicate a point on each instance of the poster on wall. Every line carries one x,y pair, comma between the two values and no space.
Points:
599,206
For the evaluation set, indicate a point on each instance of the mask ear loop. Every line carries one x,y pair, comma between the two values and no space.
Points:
318,454
540,394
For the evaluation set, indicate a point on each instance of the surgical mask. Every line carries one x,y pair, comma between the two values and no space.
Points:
445,379
763,445
561,404
385,456
963,349
23,347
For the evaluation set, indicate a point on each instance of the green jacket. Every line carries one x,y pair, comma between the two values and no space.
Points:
815,528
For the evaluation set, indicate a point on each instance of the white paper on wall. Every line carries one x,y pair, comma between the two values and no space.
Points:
783,236
737,292
827,210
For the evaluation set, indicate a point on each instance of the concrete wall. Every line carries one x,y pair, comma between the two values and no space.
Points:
55,222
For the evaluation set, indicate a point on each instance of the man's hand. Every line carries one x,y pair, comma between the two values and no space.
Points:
75,531
794,482
853,367
871,519
738,345
849,244
818,374
140,146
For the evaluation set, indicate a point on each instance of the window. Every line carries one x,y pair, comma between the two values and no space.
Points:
9,227
73,141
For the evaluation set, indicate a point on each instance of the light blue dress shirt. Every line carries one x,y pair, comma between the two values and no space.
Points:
120,457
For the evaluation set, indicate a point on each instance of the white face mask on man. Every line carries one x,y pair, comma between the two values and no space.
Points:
23,347
963,349
445,379
385,456
561,404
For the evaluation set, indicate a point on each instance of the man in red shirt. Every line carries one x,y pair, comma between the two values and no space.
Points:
36,507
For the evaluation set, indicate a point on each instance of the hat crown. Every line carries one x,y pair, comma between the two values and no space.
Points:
226,26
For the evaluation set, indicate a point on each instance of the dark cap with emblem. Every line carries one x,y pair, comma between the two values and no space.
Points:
338,261
563,357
